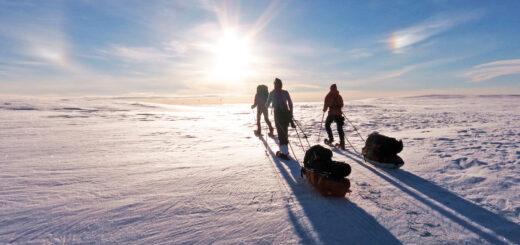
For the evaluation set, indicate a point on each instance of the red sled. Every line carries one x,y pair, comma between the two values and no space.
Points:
326,185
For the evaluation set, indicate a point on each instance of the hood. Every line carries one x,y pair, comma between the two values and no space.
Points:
333,91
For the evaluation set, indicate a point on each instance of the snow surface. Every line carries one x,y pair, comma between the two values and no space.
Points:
98,170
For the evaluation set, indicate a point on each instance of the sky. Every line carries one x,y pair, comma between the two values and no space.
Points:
226,48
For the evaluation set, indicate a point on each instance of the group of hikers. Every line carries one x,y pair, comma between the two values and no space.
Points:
283,114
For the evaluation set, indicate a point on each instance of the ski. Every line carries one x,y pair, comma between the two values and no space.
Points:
384,164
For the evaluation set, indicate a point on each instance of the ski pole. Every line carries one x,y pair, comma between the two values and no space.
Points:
253,114
266,131
297,134
303,132
321,125
353,126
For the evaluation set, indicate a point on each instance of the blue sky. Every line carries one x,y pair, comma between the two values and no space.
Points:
203,47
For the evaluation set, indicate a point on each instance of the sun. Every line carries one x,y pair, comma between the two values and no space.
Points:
232,57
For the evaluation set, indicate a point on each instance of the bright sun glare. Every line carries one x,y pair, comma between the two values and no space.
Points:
233,57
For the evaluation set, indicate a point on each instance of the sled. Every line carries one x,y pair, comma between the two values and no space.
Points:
326,185
374,154
385,164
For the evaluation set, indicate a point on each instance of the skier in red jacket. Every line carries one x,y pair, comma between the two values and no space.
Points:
334,102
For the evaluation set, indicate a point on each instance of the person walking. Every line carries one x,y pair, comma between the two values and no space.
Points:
283,111
260,98
334,103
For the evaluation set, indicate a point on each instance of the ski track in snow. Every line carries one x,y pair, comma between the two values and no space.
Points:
101,170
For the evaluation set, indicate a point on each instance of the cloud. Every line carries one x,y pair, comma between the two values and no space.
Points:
37,40
138,54
494,69
304,86
359,53
389,75
427,29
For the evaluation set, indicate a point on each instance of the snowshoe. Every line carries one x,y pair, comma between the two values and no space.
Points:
257,133
271,135
339,146
282,156
328,142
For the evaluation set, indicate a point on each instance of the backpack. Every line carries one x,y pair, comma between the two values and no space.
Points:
262,91
319,159
339,169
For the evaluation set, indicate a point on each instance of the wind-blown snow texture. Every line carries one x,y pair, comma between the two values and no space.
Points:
118,171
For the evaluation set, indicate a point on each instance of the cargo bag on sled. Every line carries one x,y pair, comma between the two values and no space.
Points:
381,151
327,175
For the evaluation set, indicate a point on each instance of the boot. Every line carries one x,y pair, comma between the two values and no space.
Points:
270,134
284,149
328,142
282,156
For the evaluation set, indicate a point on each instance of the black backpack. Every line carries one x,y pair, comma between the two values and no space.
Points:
339,169
319,159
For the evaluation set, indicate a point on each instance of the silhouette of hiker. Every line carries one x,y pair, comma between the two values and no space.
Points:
334,102
283,111
260,98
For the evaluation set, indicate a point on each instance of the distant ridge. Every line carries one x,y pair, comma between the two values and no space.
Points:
438,96
498,95
460,96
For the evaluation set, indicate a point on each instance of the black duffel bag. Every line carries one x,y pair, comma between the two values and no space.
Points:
339,169
319,158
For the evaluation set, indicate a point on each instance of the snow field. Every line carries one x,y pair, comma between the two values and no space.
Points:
106,170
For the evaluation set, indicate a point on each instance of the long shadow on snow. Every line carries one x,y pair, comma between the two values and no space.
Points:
461,206
335,220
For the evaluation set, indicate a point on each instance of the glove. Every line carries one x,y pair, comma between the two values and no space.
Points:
292,124
252,106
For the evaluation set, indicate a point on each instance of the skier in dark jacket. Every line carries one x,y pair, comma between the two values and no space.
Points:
260,99
283,111
334,102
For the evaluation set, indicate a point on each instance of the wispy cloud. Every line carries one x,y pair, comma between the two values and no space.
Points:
304,86
359,53
427,29
38,41
400,72
386,75
494,69
138,54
